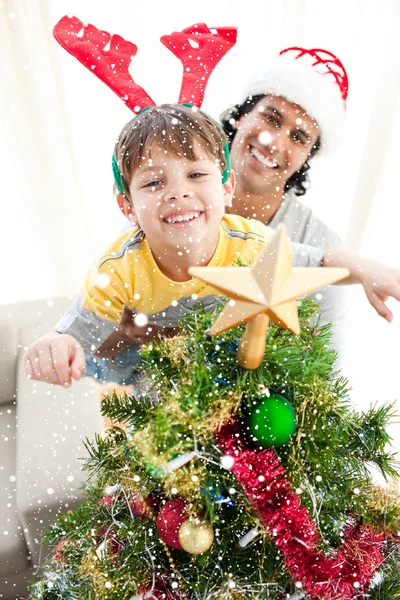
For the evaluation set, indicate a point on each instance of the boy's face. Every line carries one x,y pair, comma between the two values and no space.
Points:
179,203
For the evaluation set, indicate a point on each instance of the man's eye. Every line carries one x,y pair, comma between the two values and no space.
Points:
272,119
153,183
299,139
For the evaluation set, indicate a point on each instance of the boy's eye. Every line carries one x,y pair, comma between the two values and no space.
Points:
153,183
197,174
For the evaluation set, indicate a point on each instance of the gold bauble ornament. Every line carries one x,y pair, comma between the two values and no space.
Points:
113,434
196,536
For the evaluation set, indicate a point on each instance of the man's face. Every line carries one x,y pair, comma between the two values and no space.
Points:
272,142
179,203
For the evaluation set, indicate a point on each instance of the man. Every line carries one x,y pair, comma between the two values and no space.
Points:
296,109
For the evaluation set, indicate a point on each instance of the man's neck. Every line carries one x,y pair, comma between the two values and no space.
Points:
257,205
175,263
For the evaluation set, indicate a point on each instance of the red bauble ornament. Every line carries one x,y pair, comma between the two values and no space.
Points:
170,518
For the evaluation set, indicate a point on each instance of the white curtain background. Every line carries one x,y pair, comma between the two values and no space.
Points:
58,124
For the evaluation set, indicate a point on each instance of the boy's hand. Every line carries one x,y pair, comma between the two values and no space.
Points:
55,358
128,334
380,281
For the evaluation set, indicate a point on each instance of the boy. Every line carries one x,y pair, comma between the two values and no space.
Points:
168,164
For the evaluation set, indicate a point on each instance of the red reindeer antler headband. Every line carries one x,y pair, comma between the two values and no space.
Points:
109,56
198,47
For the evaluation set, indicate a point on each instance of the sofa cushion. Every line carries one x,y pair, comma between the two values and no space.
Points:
14,586
13,549
8,357
52,422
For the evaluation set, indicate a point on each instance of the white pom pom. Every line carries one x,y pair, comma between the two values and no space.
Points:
111,489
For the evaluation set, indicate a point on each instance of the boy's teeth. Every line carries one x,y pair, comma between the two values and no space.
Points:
181,218
264,160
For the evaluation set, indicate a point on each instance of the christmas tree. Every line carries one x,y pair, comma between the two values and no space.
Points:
230,483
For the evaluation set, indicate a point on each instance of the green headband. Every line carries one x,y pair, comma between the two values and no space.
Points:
117,174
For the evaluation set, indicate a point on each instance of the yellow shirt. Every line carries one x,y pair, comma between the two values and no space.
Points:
127,281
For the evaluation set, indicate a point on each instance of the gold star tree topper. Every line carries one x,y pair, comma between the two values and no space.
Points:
266,291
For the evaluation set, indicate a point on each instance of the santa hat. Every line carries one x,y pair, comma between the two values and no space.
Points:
314,79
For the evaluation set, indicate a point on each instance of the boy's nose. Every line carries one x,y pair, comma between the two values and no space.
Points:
177,193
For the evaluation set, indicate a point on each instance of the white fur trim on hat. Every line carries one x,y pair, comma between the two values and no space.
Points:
318,94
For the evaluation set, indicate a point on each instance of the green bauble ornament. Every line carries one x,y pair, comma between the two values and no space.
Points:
272,421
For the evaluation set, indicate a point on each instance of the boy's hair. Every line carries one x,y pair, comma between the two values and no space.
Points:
299,181
173,128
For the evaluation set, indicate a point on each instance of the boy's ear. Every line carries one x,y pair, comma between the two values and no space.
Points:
229,188
127,210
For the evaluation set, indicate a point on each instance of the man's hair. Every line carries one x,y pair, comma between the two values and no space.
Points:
173,128
299,180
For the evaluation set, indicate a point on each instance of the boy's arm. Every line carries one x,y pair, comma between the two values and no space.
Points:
60,355
380,281
86,322
98,310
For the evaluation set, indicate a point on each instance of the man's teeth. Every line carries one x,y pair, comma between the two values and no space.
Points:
182,218
264,160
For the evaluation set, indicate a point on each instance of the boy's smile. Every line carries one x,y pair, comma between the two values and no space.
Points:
182,218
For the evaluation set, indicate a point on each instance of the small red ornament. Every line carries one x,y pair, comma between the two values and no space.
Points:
170,518
61,547
144,507
106,501
111,542
154,501
138,506
160,589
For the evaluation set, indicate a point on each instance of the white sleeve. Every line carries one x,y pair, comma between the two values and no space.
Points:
306,256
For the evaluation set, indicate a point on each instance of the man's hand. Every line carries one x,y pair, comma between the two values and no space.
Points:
380,281
55,358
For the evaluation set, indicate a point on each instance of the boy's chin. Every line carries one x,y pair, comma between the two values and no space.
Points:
187,234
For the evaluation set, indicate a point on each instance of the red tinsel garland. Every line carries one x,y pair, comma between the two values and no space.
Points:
346,574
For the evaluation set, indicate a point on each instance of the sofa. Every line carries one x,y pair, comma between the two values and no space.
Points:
41,431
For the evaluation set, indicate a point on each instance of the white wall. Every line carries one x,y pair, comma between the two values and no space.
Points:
58,124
